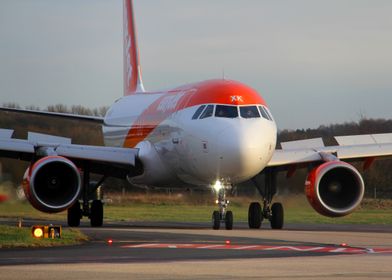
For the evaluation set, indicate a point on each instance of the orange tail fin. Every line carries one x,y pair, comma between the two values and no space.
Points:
132,71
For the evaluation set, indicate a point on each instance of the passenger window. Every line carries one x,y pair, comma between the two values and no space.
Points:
208,112
223,111
248,112
264,113
198,112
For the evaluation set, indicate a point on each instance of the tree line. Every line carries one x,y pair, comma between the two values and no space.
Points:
61,108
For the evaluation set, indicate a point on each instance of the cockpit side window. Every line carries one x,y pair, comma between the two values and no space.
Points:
223,111
198,112
208,112
248,112
268,113
264,113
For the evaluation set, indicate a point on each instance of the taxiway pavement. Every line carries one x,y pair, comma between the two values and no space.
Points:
194,251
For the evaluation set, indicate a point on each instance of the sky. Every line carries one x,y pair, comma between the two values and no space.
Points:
315,62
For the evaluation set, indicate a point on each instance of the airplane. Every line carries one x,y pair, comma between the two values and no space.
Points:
211,134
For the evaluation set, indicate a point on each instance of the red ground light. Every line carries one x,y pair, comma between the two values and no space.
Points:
3,197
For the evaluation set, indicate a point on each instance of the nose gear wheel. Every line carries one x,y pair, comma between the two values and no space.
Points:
222,215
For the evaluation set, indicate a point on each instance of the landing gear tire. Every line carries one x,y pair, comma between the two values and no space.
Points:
74,214
96,213
254,215
216,220
229,220
277,215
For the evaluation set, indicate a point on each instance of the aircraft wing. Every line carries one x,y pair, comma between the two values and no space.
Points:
55,114
110,161
349,148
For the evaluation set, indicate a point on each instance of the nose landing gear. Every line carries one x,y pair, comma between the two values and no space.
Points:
222,216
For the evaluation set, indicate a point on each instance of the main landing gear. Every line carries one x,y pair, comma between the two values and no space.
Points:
222,216
274,213
91,206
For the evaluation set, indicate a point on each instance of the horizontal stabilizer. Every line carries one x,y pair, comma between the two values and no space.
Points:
6,133
303,144
366,139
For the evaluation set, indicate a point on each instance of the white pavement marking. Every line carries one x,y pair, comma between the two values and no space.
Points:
292,248
246,247
147,245
338,250
209,246
319,249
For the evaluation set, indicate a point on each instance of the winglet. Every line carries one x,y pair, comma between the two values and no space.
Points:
132,70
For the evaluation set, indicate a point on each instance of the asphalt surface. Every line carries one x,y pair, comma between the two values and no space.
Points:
157,242
194,251
100,250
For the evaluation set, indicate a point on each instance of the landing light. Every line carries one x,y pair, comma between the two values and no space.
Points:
217,186
50,231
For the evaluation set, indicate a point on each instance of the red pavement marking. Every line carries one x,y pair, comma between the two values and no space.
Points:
318,249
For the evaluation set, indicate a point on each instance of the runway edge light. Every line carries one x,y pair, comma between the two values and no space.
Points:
42,231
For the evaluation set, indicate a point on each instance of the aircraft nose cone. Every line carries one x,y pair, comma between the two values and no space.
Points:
243,151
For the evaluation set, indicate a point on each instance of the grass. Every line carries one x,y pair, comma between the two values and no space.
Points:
180,208
175,208
12,236
300,213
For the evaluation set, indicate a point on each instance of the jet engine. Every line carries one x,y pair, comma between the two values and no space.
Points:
52,184
334,188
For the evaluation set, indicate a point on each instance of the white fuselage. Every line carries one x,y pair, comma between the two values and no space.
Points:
180,150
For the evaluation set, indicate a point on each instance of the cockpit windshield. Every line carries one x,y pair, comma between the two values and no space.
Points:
223,111
248,112
231,112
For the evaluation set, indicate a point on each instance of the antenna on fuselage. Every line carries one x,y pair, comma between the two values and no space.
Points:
223,74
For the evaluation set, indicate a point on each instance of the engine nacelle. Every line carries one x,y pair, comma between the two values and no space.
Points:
334,188
52,184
